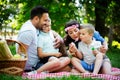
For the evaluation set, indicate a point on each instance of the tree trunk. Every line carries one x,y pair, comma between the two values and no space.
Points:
110,36
100,12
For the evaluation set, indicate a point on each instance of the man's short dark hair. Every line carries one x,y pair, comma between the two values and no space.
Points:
38,11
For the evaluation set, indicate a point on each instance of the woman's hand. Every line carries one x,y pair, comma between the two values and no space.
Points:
74,51
72,48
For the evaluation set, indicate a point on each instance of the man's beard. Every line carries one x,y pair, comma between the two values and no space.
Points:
41,27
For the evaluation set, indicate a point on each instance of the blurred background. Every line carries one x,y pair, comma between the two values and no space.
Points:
103,14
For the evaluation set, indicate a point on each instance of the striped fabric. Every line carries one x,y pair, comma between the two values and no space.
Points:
60,74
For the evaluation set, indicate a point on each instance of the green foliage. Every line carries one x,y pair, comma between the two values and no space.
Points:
113,20
103,13
60,12
7,10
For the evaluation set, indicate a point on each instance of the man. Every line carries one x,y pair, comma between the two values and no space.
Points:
28,37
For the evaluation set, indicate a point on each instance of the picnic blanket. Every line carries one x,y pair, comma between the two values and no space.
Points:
60,74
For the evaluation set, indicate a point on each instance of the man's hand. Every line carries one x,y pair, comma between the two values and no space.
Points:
103,49
57,42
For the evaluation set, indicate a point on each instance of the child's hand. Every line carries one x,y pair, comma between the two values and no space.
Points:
58,54
95,51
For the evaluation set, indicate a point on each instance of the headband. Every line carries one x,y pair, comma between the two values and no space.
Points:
69,27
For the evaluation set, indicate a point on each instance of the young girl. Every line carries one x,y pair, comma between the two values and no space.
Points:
46,50
47,53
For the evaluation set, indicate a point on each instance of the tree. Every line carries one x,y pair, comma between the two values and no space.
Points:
7,12
113,21
60,11
101,14
104,14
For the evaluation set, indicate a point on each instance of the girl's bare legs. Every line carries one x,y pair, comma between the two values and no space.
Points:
51,64
63,65
98,63
66,68
76,63
106,68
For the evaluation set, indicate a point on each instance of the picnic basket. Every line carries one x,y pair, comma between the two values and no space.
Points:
12,65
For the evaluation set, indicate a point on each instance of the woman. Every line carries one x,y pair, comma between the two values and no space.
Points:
73,36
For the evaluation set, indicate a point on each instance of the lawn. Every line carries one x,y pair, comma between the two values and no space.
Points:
113,54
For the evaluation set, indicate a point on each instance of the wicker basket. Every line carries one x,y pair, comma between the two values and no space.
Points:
15,64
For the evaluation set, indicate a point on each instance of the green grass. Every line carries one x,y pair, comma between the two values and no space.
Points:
113,54
10,77
72,77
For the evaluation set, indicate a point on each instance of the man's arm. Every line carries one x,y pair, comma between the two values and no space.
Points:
59,43
25,39
42,54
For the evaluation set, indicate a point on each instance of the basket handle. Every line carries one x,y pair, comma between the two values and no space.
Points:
21,48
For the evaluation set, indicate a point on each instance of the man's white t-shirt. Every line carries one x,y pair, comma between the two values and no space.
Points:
28,36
